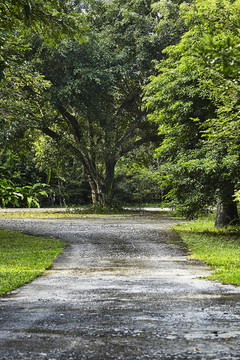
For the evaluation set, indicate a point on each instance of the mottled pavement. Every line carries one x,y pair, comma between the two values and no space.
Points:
122,289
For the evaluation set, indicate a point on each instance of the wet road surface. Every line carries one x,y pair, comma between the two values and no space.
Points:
122,289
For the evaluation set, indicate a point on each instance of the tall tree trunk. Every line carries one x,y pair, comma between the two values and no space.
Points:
94,189
109,181
102,190
227,213
97,191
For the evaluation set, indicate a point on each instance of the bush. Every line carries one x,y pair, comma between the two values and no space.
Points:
29,196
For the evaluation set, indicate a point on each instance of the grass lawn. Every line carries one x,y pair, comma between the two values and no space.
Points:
24,257
219,248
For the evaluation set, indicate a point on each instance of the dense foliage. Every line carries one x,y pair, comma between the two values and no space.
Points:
54,19
195,101
76,109
90,100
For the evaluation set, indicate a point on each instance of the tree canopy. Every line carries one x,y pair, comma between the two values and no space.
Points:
54,19
195,101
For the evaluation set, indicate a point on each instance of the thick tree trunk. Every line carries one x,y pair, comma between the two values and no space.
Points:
227,213
93,188
99,196
96,192
102,190
109,182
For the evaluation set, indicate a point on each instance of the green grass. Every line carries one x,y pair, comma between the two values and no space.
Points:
75,212
24,257
39,214
219,248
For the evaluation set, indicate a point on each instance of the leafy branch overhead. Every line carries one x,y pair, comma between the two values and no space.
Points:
53,19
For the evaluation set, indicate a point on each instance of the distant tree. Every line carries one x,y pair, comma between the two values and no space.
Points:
97,87
63,172
138,178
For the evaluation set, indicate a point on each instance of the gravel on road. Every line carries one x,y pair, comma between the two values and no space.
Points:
122,289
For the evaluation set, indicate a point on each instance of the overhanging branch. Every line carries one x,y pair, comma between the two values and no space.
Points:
136,144
47,131
72,121
84,157
130,130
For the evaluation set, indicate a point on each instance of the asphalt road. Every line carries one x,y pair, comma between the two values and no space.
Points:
122,289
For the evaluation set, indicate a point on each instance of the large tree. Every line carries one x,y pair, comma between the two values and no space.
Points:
97,86
94,105
195,101
97,90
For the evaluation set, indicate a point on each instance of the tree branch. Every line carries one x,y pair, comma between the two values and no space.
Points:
89,169
72,121
130,130
136,144
50,133
128,102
